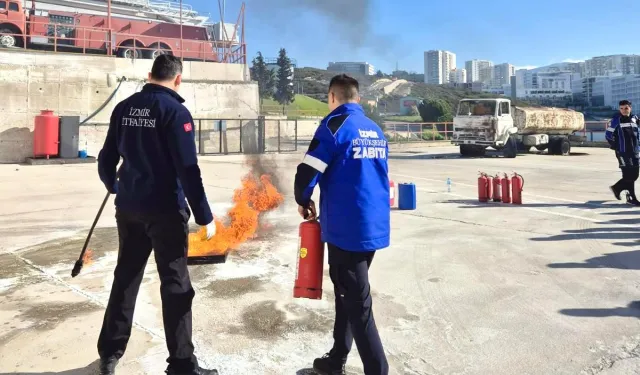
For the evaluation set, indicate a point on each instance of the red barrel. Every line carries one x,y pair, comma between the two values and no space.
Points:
310,263
392,193
46,134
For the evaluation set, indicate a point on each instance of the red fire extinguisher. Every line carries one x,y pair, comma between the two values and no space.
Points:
489,187
482,188
506,189
496,189
310,262
517,184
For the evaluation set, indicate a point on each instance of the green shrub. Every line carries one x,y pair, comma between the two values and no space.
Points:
431,135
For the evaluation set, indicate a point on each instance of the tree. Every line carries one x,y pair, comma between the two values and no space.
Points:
379,74
284,88
264,76
435,110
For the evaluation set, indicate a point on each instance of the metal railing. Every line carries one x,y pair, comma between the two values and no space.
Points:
418,132
398,132
292,112
245,136
101,40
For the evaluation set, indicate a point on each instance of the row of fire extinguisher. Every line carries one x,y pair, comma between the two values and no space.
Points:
500,189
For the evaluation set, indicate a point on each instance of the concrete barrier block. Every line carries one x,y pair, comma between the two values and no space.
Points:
74,91
80,76
43,74
40,102
14,74
14,104
13,120
17,58
14,89
74,107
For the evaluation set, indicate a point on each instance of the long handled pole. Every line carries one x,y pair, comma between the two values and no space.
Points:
78,266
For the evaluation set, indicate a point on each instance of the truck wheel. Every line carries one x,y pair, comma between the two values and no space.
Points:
128,52
510,150
554,146
7,41
565,146
465,150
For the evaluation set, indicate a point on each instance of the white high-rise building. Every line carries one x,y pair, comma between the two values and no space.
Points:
502,74
437,66
479,71
458,76
613,65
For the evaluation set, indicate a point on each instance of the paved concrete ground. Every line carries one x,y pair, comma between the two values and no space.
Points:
549,287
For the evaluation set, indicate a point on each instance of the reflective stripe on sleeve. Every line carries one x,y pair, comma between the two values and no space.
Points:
315,163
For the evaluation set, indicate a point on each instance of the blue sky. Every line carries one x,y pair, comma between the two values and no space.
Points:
533,33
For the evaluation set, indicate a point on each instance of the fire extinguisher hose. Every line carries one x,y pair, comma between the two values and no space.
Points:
113,94
522,187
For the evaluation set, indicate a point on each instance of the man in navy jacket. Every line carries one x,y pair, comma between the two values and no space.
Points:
348,159
623,137
152,131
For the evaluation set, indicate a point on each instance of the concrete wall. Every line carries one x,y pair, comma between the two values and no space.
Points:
75,84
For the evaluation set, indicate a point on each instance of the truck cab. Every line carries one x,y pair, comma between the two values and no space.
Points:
482,123
12,23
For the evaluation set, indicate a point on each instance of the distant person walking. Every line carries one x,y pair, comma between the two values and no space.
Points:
348,158
623,137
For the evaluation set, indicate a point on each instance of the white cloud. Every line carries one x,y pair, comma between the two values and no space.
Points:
574,60
527,67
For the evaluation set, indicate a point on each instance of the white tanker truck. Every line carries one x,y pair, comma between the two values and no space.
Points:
482,123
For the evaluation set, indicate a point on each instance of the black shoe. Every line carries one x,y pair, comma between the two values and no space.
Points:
108,365
632,200
328,366
197,371
615,192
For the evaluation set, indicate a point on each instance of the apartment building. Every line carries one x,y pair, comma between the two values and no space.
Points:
438,65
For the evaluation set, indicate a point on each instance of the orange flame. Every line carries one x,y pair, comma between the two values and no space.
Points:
87,258
254,197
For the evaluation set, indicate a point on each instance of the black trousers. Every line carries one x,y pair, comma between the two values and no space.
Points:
630,171
349,273
167,235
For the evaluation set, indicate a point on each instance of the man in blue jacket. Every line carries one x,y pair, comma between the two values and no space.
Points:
152,131
348,158
623,137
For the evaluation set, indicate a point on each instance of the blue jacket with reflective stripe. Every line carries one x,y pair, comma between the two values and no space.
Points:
622,134
348,157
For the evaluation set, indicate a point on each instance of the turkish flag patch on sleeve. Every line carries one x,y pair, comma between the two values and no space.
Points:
188,127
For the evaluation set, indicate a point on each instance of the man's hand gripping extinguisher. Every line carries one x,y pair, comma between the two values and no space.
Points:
310,261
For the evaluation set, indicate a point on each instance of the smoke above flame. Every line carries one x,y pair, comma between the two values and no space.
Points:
256,195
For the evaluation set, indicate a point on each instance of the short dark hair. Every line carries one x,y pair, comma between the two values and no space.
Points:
166,67
625,102
345,87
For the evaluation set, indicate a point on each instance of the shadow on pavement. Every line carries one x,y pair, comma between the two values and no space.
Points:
306,371
604,233
632,310
627,260
473,203
88,370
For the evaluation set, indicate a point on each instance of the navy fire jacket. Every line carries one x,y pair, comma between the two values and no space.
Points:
622,134
153,132
348,158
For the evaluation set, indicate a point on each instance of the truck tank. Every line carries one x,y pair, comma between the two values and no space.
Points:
552,121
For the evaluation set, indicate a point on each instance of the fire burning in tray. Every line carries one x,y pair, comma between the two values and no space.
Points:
255,196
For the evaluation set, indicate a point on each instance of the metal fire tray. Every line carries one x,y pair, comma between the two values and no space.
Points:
207,259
